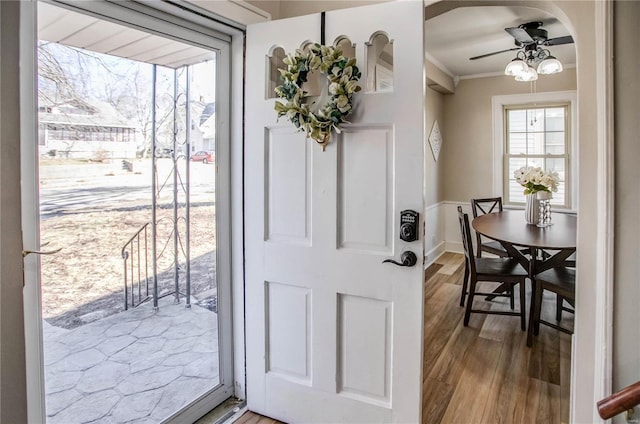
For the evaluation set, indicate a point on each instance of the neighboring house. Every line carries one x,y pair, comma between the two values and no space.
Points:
203,126
84,131
207,127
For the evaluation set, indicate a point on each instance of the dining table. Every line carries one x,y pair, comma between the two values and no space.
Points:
547,247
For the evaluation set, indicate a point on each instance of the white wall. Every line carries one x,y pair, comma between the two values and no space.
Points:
290,8
433,171
270,6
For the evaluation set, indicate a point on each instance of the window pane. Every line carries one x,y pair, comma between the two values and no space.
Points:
516,163
535,119
555,143
537,131
517,144
516,192
535,143
559,197
557,165
517,120
555,119
535,162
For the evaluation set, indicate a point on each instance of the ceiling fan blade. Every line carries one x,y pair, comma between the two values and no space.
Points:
520,35
491,54
567,39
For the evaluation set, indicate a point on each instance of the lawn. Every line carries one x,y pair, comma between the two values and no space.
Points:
84,282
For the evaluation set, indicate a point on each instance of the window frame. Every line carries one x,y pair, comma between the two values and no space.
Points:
499,103
568,177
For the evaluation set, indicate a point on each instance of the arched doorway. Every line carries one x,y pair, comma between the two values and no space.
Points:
591,367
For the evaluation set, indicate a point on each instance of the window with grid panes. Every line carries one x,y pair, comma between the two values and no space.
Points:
537,136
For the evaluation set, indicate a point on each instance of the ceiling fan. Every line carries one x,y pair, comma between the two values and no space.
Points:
529,36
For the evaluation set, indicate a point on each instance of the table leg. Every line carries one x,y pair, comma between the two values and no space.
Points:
553,261
531,313
499,290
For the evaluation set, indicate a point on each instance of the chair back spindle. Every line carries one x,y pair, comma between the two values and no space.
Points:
467,242
487,205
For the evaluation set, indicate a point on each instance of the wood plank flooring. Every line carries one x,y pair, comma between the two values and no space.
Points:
253,418
485,373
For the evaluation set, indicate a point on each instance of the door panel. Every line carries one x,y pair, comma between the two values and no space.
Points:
365,332
365,189
288,187
288,325
333,334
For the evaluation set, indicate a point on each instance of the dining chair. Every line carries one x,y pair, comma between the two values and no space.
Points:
569,263
562,282
503,270
483,207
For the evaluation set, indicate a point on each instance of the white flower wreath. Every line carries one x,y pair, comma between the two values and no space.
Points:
343,76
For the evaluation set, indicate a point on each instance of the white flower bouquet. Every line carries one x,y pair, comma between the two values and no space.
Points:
536,179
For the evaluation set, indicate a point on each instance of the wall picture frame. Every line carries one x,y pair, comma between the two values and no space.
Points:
435,140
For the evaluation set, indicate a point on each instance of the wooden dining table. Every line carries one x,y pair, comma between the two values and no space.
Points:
548,247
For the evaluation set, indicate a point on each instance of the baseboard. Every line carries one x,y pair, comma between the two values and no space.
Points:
454,247
432,255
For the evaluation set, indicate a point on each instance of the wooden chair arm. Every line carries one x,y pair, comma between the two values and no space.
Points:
619,402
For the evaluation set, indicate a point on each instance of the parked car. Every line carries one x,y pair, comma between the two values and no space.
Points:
203,156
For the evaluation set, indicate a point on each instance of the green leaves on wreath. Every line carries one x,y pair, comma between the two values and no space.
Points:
343,76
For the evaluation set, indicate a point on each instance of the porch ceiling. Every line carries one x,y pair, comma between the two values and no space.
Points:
59,25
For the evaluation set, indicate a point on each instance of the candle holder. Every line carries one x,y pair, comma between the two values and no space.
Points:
544,205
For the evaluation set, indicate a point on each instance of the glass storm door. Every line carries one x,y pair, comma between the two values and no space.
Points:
127,175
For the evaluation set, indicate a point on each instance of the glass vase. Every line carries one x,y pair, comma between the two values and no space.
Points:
531,209
544,209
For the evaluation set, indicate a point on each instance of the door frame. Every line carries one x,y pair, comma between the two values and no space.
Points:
34,357
230,175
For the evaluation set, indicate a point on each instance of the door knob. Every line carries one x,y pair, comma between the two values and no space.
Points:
408,258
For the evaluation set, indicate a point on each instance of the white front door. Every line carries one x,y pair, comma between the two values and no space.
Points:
333,334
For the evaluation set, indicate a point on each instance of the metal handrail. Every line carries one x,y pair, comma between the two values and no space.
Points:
135,258
624,400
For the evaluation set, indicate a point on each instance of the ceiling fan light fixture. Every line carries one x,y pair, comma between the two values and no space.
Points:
529,75
550,65
516,67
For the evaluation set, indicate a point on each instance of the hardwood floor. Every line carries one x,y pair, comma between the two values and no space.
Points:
485,373
253,418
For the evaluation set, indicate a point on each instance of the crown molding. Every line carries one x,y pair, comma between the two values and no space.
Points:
439,65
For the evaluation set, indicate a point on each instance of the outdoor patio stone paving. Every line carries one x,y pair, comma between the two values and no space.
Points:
138,366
